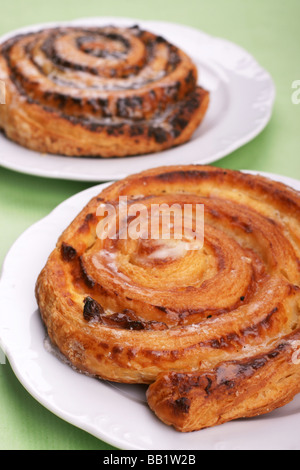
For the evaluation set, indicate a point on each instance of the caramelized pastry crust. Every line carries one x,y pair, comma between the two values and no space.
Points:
213,329
101,92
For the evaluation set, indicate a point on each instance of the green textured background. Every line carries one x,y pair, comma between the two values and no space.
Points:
269,30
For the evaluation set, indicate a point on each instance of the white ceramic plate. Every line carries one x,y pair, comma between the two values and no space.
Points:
117,414
242,96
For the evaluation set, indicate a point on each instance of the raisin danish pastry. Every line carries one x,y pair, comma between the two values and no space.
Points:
102,92
213,329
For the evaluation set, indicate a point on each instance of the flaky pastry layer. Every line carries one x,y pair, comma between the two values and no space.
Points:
100,92
213,330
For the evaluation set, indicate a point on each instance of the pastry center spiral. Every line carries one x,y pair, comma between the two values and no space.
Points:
245,256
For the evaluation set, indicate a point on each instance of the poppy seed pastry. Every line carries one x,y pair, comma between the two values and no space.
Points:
100,92
214,329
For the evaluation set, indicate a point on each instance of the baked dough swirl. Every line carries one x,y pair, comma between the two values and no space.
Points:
102,92
213,330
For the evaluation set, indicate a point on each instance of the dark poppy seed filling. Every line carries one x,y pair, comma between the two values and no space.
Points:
92,310
68,252
118,83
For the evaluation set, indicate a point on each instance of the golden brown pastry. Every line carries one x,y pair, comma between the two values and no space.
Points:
102,92
213,330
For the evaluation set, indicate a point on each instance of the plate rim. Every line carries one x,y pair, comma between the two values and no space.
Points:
227,149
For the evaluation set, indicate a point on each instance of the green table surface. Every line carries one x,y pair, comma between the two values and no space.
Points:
269,30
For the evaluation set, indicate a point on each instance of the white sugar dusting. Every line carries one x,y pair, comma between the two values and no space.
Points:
172,249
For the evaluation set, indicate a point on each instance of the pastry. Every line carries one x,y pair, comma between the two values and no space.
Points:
100,92
213,328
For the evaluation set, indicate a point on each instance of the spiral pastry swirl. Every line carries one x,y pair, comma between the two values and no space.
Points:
213,329
102,92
